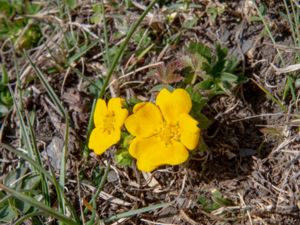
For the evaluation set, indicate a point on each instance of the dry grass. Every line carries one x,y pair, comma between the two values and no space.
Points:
253,145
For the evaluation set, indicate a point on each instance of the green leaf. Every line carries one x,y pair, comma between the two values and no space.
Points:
204,122
123,158
21,206
242,79
6,9
32,8
14,178
219,65
231,65
71,3
159,87
202,145
6,98
197,99
201,49
217,201
206,84
229,77
207,204
218,198
98,13
7,214
95,87
82,51
29,38
262,9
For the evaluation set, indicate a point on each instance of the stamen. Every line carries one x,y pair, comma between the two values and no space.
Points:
169,133
109,122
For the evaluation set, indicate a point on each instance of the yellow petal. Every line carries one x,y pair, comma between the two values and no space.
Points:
189,131
101,141
145,120
100,112
115,106
172,105
152,152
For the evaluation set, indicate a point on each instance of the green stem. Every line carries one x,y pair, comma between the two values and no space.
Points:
123,47
112,69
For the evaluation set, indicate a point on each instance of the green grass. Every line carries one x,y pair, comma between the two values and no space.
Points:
39,209
292,17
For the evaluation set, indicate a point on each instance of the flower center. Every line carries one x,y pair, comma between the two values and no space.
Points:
108,122
169,133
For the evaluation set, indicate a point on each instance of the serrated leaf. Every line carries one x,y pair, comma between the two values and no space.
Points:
201,49
231,65
208,68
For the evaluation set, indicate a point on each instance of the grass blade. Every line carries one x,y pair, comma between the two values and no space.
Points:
123,47
30,160
270,95
44,185
48,87
62,175
27,216
268,30
136,212
52,178
23,127
49,211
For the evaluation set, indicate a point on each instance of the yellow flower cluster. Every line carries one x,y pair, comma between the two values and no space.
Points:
164,132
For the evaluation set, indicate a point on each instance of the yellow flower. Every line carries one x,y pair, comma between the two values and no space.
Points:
163,132
108,121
